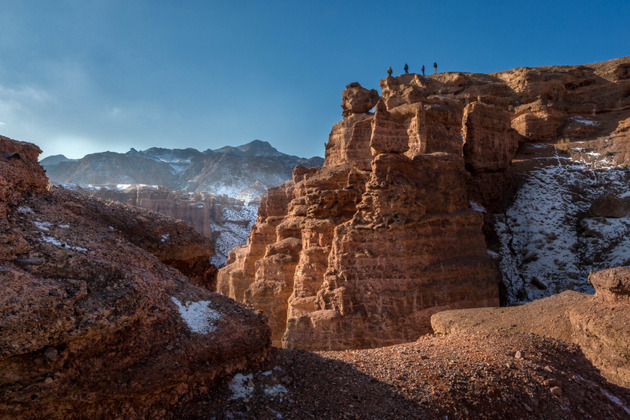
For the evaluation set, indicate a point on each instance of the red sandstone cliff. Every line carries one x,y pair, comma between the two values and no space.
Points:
361,252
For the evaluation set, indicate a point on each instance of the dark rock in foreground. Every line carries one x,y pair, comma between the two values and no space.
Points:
92,323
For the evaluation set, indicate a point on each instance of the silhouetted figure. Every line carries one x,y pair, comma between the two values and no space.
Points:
423,69
406,68
390,71
435,67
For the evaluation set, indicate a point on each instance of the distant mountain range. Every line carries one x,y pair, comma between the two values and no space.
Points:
243,172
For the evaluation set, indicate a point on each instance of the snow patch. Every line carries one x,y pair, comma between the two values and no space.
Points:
57,242
198,316
239,386
51,240
584,121
545,249
165,237
275,390
24,210
477,207
233,232
43,225
616,400
493,254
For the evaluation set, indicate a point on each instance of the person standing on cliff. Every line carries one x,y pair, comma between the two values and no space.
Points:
435,67
406,68
389,70
423,69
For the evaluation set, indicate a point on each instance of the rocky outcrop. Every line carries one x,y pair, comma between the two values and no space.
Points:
570,102
598,324
172,241
602,325
20,177
358,100
222,219
362,252
490,143
93,324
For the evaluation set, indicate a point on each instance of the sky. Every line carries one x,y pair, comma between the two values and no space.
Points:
79,77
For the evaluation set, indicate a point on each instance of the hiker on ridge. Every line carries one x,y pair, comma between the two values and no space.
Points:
389,70
406,68
435,67
423,69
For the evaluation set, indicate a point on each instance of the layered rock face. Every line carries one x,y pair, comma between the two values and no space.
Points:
599,324
434,144
222,219
93,323
362,252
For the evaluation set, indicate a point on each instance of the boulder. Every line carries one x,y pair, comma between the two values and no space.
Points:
358,100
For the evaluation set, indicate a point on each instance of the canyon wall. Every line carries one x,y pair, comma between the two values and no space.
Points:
222,219
361,252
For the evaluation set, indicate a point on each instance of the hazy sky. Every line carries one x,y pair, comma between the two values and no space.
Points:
83,76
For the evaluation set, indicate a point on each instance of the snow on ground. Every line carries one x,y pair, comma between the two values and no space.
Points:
42,225
57,242
240,386
584,121
607,241
233,232
546,246
198,316
276,390
477,207
51,240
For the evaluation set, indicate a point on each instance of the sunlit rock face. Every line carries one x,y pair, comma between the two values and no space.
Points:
361,252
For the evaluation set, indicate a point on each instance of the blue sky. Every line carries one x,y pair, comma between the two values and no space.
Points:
78,77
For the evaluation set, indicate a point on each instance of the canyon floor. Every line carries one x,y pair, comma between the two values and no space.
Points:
484,375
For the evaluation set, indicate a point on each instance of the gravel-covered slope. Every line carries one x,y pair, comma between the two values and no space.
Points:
459,376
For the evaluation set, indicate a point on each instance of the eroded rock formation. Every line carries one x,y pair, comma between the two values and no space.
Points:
222,219
362,252
92,323
341,255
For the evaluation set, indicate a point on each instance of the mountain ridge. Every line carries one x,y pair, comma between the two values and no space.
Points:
249,169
